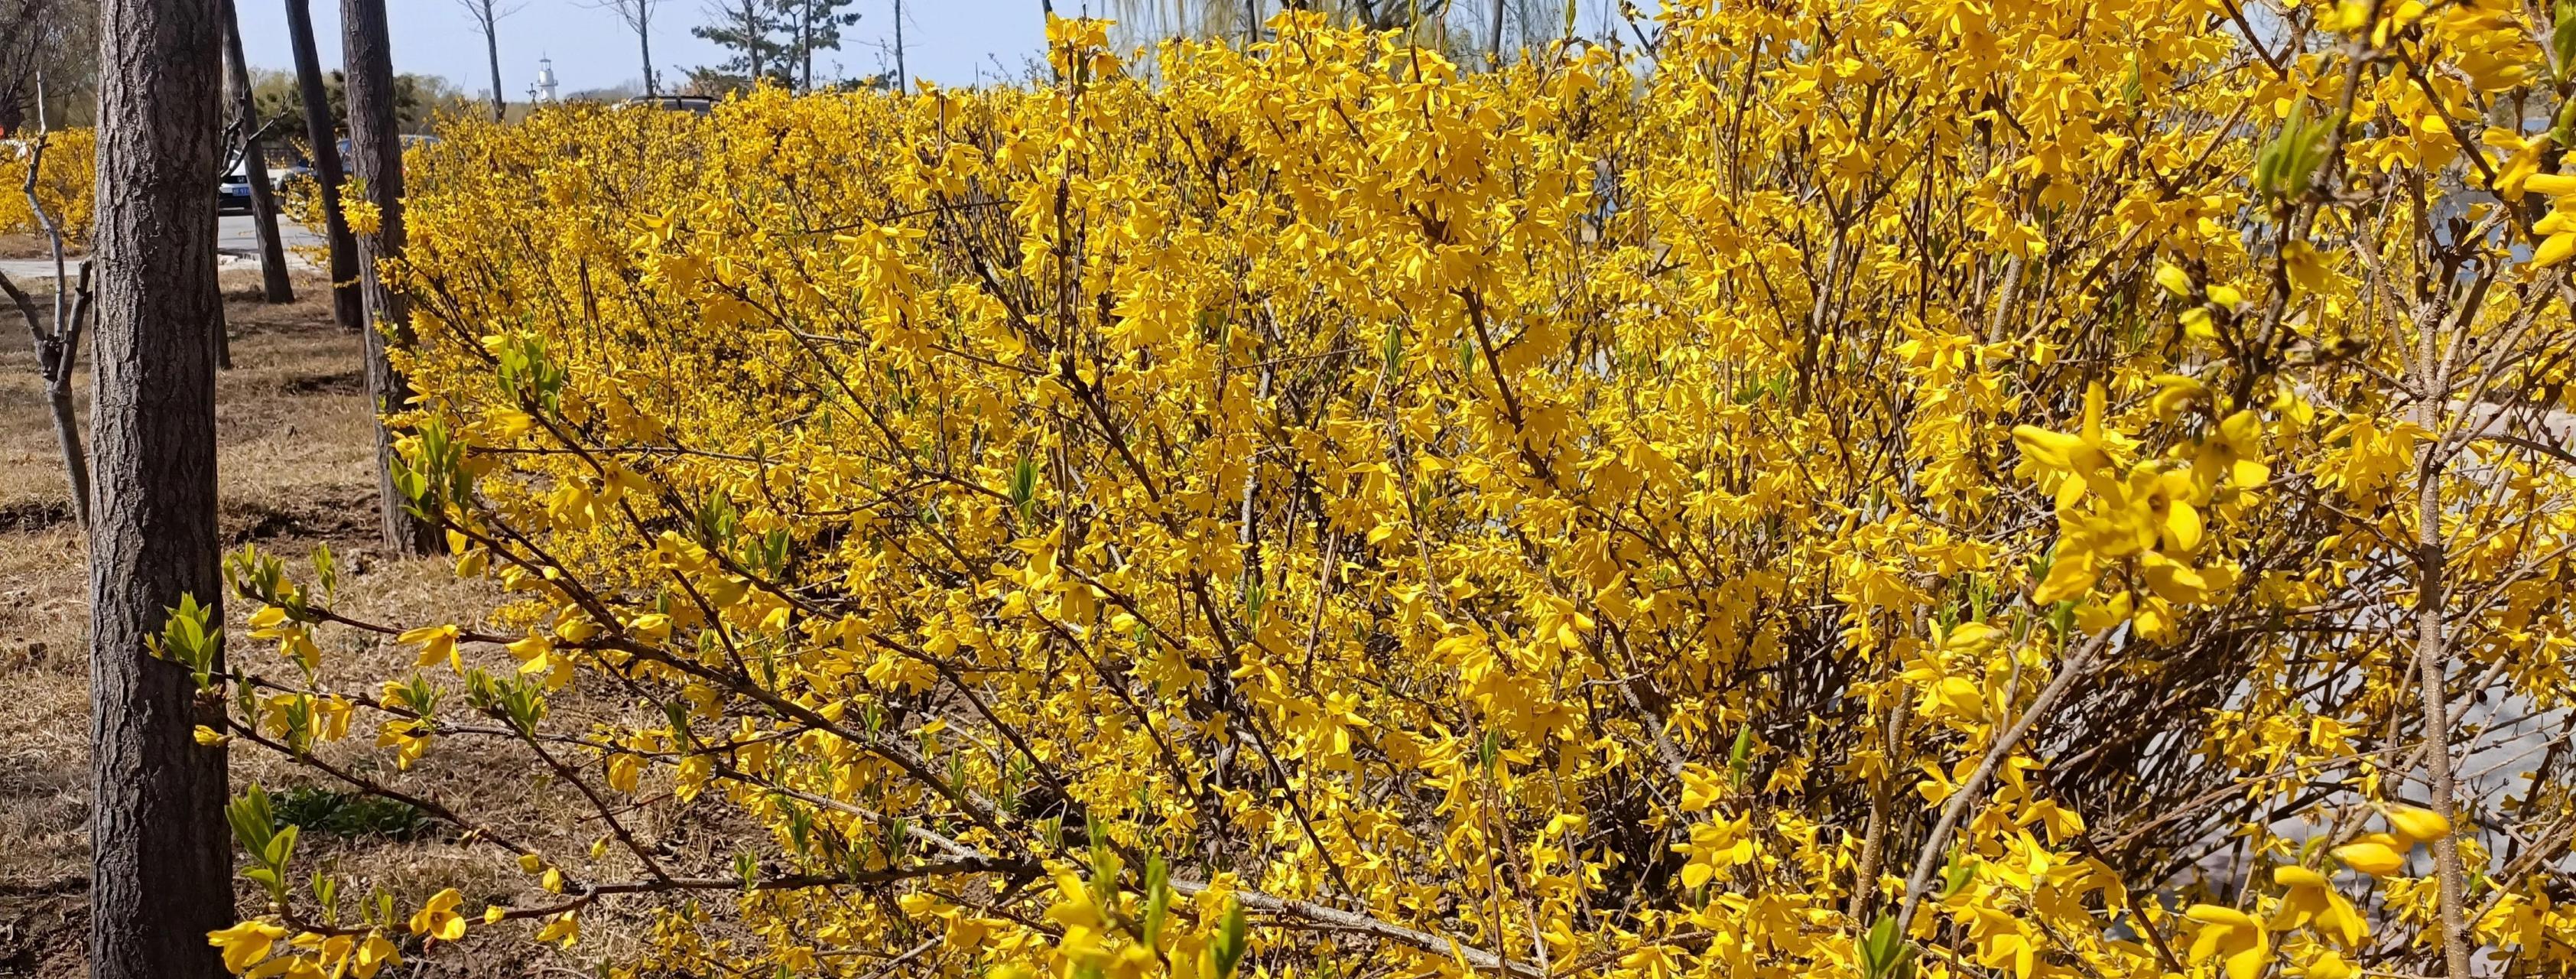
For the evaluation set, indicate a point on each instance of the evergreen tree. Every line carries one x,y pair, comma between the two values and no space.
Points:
757,37
771,39
814,25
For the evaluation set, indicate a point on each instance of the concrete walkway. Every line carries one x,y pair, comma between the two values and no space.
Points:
236,245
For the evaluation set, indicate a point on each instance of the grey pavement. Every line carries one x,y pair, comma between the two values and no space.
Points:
237,243
234,234
236,247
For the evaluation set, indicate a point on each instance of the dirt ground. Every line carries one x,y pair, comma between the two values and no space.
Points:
13,245
296,469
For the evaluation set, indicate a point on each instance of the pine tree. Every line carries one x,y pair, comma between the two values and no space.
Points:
815,25
376,162
771,40
160,859
755,33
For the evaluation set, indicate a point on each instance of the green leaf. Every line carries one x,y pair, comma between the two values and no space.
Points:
281,847
1739,759
2562,36
1158,899
1024,488
1882,948
1230,941
252,820
326,571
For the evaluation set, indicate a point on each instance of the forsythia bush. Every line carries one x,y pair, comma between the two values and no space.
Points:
1888,488
65,183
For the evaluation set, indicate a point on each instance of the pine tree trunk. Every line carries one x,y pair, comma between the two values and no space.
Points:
274,286
348,305
161,860
375,159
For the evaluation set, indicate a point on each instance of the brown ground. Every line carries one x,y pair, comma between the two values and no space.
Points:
296,462
24,246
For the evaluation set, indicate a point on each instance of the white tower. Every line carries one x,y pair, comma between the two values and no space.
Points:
545,80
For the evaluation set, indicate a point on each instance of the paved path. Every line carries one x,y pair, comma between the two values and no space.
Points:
21,270
236,247
234,233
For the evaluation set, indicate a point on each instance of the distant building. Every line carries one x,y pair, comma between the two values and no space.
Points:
543,92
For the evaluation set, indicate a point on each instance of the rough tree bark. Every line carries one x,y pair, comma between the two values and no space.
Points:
274,286
161,860
375,159
348,305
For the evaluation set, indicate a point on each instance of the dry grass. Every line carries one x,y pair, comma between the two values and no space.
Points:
296,469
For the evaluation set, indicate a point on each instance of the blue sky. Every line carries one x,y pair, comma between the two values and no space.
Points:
952,42
947,41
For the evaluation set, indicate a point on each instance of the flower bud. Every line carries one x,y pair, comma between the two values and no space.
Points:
2417,824
2375,859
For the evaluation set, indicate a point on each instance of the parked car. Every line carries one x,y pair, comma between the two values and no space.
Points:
232,193
700,104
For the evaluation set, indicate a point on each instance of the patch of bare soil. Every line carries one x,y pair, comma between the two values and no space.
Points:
25,245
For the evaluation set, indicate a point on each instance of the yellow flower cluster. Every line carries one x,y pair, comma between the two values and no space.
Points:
65,184
1884,488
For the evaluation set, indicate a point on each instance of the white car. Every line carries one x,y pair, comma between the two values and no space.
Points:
232,193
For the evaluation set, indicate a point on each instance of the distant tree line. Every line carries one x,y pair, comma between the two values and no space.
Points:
55,43
419,100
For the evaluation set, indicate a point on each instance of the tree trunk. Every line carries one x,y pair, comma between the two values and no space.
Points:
375,158
492,48
751,37
161,859
644,40
1495,45
274,286
902,80
348,306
